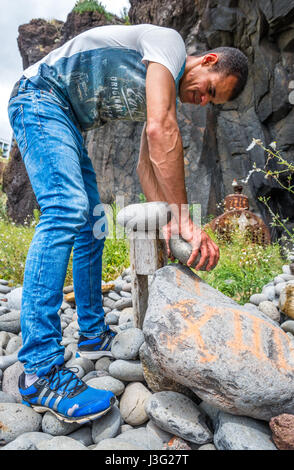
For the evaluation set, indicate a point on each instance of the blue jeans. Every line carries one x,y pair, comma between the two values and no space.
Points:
64,182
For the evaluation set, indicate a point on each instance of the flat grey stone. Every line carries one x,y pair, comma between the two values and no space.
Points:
242,433
108,426
117,444
60,443
126,344
6,361
123,303
113,295
141,437
112,317
126,315
4,289
257,298
14,298
83,435
6,398
103,363
126,295
207,447
288,326
269,292
3,282
27,441
10,380
10,322
278,280
127,371
13,345
54,426
109,303
16,419
177,414
279,287
163,436
107,383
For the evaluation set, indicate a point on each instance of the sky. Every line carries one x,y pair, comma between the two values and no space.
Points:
13,14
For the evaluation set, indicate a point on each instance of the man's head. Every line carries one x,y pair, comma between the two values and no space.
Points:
216,76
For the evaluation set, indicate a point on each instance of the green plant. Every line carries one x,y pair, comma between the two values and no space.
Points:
244,267
82,6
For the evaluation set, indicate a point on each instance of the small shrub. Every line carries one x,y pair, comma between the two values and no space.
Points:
82,6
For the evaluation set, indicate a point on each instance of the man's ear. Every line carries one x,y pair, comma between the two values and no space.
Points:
210,59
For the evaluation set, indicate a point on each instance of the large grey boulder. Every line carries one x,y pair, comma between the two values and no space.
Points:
16,420
235,359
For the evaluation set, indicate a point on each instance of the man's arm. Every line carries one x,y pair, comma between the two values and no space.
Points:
146,174
161,161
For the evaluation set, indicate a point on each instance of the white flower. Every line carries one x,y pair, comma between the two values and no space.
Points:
273,145
253,143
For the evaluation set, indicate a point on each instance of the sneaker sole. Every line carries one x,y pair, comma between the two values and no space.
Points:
67,419
94,354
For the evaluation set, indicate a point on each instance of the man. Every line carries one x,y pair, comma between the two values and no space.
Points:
106,73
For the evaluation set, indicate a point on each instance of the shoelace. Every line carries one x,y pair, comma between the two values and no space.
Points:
56,376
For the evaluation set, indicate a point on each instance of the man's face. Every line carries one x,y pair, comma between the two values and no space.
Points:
201,85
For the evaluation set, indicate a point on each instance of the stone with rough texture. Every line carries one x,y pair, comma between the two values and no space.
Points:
269,309
126,344
242,433
177,414
106,427
199,337
282,427
60,443
17,419
132,403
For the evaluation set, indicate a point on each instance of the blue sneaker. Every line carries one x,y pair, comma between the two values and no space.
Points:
94,348
66,396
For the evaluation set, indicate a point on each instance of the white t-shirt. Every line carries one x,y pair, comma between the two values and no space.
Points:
102,72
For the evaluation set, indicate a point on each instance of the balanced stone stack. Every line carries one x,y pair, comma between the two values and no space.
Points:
204,373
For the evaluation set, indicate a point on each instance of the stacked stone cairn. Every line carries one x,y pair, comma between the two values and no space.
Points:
214,383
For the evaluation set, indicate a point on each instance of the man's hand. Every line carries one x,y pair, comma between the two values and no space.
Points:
198,239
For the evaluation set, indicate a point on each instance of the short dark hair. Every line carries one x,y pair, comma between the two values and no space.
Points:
231,62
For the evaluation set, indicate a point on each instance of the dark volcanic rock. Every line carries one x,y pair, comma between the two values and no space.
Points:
215,138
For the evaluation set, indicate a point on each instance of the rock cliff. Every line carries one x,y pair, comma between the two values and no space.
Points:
215,138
